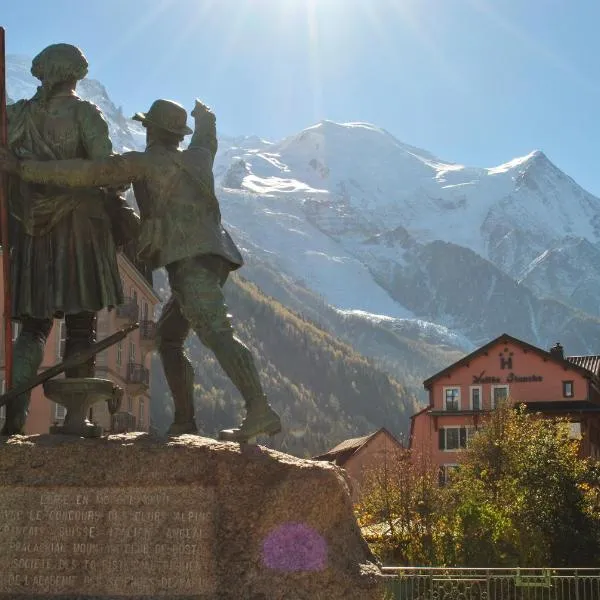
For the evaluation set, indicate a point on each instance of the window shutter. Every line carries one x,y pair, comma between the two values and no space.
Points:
442,438
463,437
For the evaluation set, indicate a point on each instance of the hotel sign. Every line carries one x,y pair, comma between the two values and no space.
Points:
510,378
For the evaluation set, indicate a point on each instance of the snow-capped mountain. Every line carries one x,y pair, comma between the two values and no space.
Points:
478,250
388,233
357,179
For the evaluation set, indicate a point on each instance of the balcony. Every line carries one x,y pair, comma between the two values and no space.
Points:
453,413
122,422
128,312
137,378
147,335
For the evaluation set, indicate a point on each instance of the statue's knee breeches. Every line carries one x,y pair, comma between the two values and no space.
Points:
172,327
198,300
36,329
212,324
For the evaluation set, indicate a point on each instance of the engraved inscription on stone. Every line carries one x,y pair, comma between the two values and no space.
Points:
127,541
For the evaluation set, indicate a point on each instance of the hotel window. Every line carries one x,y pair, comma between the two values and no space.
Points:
452,438
16,328
142,415
445,473
145,312
568,389
452,398
60,412
62,339
130,405
120,353
499,394
575,430
475,400
131,353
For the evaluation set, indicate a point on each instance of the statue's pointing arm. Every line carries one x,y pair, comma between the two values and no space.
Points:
205,130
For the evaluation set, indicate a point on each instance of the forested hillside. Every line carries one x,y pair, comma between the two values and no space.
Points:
324,390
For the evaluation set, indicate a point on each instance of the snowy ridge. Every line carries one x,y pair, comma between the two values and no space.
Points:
421,328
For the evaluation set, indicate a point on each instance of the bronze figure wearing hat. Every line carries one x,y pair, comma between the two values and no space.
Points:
181,229
166,115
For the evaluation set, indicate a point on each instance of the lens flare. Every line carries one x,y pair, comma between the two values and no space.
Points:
295,547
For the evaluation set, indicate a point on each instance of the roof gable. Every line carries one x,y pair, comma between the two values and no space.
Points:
577,365
341,453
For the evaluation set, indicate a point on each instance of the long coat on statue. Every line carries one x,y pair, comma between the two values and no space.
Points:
63,254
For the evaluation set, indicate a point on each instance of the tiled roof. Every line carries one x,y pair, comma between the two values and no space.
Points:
590,363
344,450
351,444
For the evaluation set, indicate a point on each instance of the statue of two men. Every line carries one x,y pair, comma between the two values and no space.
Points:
181,230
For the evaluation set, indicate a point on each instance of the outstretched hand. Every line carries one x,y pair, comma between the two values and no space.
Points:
201,110
9,163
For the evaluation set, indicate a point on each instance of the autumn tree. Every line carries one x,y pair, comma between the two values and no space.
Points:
522,497
399,509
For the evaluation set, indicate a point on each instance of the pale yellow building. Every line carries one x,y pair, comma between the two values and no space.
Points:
126,363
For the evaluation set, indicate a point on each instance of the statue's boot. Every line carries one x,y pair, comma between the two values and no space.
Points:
179,374
28,352
259,420
236,360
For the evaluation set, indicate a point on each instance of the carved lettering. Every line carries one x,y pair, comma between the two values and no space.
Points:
124,541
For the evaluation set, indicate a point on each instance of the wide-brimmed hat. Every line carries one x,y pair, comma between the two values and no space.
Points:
167,115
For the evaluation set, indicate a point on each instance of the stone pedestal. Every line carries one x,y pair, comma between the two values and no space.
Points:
132,516
78,395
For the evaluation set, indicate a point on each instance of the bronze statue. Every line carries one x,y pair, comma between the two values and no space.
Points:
62,249
180,229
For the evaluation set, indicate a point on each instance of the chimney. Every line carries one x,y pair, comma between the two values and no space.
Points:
557,351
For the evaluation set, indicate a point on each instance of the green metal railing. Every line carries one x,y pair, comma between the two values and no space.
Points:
433,583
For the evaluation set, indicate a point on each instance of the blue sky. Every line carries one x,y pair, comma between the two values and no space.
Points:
472,81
